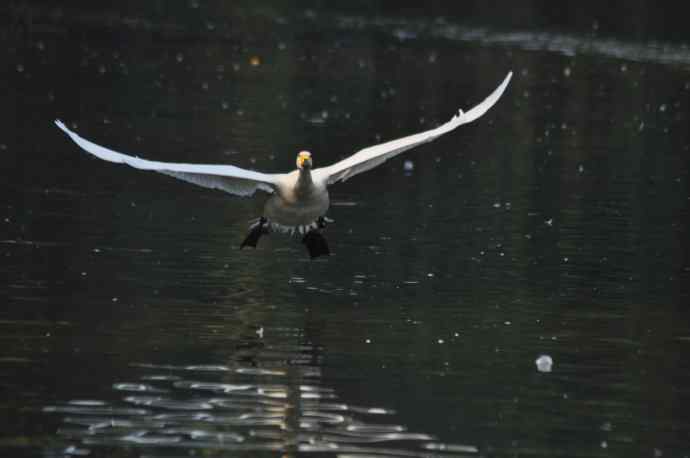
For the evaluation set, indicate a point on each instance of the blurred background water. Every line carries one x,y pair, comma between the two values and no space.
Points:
557,224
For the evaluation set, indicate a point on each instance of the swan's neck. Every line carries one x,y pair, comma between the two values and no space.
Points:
304,181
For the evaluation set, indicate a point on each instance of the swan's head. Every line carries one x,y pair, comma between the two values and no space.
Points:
304,160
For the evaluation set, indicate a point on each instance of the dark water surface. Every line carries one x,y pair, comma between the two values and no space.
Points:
132,325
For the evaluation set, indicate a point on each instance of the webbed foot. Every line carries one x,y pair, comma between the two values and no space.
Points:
316,244
255,233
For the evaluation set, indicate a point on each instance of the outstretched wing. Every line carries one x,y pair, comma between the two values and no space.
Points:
228,178
370,157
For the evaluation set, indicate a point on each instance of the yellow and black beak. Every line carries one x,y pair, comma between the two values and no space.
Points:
304,159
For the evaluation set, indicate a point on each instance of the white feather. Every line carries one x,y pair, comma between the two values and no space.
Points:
228,178
368,158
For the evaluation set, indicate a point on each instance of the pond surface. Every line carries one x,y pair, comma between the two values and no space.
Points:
557,225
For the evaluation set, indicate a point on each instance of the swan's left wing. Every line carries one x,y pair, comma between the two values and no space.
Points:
228,178
370,157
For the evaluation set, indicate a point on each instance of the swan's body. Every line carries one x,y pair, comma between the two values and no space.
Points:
299,198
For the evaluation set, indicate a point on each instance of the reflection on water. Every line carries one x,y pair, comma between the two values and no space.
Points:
281,408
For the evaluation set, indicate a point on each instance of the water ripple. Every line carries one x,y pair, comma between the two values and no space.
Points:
239,415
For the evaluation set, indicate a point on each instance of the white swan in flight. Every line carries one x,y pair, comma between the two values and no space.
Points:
299,198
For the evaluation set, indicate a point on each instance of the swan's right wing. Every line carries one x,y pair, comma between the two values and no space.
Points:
228,178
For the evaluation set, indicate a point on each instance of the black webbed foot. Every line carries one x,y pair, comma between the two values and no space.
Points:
316,244
255,233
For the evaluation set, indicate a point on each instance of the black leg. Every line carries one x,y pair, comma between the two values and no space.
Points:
255,233
316,244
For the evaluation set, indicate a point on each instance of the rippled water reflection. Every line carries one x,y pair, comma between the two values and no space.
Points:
236,408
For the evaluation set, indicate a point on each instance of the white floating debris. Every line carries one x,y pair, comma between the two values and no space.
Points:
544,363
260,332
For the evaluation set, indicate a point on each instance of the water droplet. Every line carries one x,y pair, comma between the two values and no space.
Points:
254,61
566,72
20,68
179,57
408,166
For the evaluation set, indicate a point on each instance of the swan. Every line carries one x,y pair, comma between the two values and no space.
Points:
299,199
